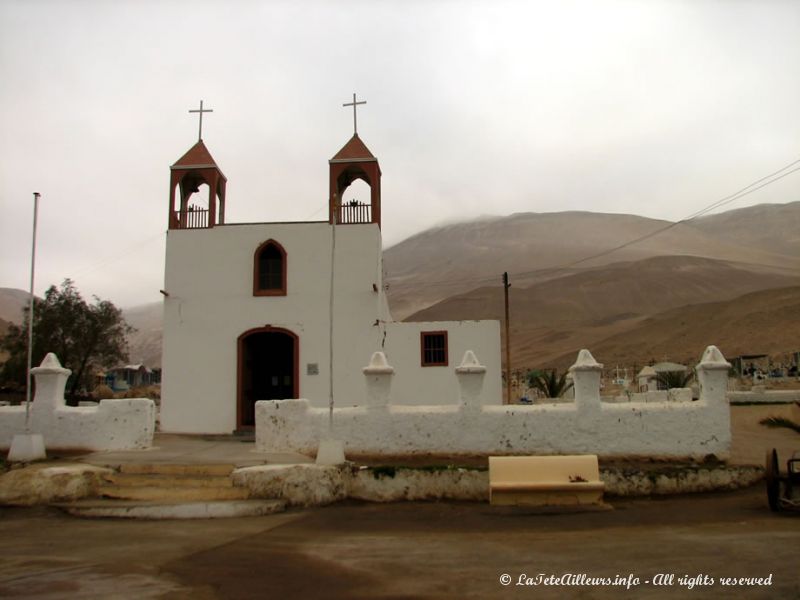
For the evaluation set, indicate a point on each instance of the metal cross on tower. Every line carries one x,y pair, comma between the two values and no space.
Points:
355,103
201,110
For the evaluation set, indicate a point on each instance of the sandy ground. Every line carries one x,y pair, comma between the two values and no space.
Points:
752,440
409,550
422,550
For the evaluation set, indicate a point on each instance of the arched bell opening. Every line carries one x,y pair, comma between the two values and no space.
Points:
355,202
193,203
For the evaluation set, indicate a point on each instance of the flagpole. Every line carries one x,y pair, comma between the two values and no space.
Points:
30,317
27,447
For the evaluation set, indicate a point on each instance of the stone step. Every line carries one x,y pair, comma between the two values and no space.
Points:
120,509
197,470
173,494
170,481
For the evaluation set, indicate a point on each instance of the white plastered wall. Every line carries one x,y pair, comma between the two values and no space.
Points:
417,385
210,303
112,425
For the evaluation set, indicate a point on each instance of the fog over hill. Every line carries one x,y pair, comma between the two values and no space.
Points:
770,227
12,304
144,344
531,247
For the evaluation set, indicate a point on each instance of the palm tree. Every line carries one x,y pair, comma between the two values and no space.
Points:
668,380
781,422
549,383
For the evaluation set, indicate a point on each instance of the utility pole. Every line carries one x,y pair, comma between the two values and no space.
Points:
507,285
336,205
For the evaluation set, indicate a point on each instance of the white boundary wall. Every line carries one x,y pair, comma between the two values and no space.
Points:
764,397
587,425
112,425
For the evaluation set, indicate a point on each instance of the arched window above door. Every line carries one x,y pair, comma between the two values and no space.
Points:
269,270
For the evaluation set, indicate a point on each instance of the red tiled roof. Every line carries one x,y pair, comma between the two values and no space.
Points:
196,155
353,149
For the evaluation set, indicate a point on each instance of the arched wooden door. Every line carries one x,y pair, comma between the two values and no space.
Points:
268,370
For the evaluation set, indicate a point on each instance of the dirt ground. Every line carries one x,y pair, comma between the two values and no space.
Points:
657,547
410,550
751,440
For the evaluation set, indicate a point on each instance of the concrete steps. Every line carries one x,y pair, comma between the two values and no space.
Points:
198,470
179,493
172,483
124,480
121,509
171,491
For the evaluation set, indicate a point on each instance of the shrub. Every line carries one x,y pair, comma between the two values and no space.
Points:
102,392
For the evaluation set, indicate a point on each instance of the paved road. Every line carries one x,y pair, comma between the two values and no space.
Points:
408,550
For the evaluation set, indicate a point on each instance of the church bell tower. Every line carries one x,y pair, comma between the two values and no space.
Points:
354,161
190,171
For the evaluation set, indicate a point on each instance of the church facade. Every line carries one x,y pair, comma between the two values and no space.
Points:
266,311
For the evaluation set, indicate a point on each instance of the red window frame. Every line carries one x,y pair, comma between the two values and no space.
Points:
257,290
433,355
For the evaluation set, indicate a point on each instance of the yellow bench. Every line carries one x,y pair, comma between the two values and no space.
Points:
545,480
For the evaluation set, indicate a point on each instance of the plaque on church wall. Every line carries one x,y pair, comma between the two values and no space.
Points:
312,369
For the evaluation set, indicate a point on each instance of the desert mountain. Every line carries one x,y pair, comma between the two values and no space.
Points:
144,344
560,316
764,322
532,247
12,304
773,228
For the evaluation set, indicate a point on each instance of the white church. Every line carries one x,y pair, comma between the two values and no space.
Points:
248,307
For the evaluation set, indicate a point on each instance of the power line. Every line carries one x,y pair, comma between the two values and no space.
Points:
116,257
736,195
727,200
749,189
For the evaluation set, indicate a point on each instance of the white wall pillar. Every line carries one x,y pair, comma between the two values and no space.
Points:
378,376
51,379
586,377
712,374
470,374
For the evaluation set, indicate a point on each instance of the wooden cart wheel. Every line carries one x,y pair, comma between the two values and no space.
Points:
772,478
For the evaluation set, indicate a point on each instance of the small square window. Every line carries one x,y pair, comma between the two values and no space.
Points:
433,345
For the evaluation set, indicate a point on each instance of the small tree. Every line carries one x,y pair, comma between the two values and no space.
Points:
83,336
549,383
668,380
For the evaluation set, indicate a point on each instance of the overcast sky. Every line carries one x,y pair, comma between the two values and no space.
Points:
656,108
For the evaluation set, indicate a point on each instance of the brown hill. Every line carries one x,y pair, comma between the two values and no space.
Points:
12,304
770,227
561,316
764,322
443,261
144,344
3,329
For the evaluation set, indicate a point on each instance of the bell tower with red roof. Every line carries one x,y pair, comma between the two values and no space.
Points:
190,171
354,161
